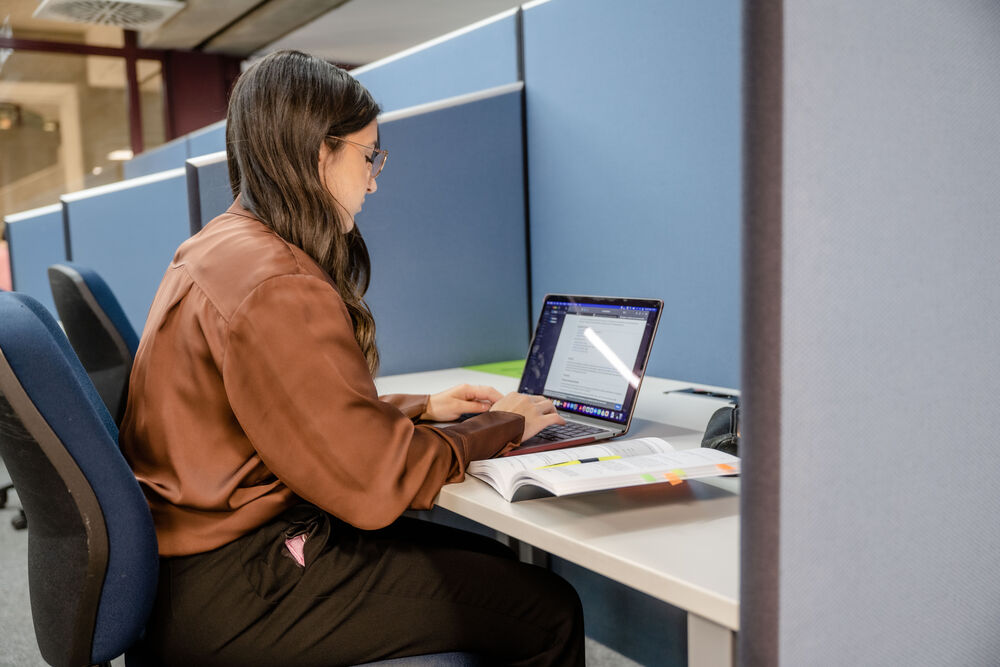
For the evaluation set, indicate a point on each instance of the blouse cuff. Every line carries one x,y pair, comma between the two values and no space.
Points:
489,434
411,405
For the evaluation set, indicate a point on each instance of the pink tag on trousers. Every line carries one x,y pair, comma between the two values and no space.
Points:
296,547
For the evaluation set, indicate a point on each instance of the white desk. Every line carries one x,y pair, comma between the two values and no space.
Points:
676,543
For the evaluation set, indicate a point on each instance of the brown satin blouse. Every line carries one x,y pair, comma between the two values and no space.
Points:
249,393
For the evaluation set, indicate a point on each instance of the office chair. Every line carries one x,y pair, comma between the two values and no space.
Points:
98,330
92,555
101,335
20,522
92,552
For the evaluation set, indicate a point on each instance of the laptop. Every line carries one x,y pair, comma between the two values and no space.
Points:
588,356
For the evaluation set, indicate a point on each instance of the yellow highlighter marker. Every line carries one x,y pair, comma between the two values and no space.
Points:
573,463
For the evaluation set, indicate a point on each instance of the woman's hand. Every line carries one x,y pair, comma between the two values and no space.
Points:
538,411
452,403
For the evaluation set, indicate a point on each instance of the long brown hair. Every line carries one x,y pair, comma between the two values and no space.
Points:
281,110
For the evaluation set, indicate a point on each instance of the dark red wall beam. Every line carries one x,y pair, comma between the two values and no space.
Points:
19,44
134,99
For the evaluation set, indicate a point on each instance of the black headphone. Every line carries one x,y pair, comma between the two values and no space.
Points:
723,430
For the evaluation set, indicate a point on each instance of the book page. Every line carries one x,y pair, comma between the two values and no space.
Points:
503,470
666,466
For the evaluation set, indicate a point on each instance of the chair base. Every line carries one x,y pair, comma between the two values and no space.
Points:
20,522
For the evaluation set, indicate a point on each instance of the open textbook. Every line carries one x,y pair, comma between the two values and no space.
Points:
594,467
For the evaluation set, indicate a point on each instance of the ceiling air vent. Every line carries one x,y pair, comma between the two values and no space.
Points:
128,14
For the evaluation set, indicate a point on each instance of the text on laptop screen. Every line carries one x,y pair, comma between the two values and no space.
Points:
588,356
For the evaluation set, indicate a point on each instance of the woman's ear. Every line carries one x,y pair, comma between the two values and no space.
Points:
321,165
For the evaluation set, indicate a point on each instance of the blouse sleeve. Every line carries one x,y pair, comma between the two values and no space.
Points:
301,390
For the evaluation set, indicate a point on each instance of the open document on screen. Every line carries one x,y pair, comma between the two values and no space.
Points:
594,357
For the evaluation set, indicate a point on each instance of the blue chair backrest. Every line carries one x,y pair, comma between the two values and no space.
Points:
98,330
92,552
106,299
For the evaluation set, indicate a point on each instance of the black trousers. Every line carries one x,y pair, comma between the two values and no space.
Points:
409,589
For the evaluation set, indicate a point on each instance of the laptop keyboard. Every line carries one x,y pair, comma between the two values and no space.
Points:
567,431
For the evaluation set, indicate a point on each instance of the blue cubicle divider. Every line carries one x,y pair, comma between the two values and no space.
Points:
128,232
208,188
209,139
480,56
171,155
36,241
634,159
168,156
446,235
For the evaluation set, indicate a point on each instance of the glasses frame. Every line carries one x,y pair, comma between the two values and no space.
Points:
376,154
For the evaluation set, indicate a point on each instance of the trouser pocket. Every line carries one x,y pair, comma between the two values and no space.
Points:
275,558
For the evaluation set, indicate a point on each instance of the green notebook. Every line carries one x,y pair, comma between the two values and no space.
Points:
512,369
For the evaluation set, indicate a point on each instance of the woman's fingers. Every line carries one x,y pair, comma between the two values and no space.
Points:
538,411
535,423
473,406
470,392
487,393
543,403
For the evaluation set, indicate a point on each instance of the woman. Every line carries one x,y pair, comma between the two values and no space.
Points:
275,474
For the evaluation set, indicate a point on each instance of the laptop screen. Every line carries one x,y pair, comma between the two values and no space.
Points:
589,353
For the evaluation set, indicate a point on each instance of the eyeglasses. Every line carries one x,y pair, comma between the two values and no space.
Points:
376,158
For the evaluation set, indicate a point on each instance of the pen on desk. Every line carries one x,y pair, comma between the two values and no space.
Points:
708,393
594,459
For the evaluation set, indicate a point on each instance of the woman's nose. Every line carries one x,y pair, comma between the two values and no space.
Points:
372,185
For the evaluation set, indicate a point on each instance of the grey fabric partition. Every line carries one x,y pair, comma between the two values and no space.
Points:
208,188
877,423
761,367
446,235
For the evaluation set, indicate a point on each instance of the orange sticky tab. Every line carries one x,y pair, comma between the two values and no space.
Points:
725,467
673,478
